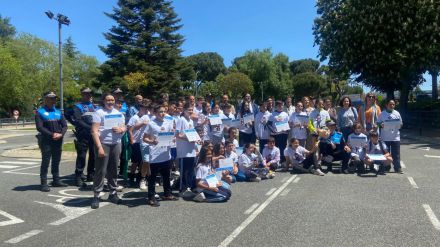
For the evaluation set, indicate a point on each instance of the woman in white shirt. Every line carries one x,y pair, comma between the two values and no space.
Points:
280,136
107,130
298,129
262,131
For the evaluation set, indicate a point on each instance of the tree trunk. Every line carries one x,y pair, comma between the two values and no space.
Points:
403,101
390,94
434,75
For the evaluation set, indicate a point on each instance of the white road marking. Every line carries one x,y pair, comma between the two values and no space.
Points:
284,179
70,212
7,167
432,156
251,217
19,162
26,159
23,237
21,169
425,149
432,216
251,209
402,165
285,192
413,183
271,191
296,180
12,219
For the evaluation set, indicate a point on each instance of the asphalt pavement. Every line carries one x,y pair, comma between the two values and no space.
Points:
289,210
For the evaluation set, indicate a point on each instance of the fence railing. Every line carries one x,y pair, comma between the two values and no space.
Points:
8,122
422,120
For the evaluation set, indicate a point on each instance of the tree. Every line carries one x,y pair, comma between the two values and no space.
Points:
69,48
11,82
308,84
304,65
210,87
385,44
144,40
7,31
235,84
135,81
207,65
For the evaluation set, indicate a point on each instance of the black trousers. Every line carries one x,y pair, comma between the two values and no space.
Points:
339,156
281,143
83,144
164,169
304,167
50,150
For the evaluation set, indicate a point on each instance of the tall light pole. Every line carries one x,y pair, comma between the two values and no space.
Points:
62,20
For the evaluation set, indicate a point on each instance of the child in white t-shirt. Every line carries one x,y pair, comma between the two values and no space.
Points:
301,159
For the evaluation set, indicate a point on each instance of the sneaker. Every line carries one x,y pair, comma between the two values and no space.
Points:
143,184
89,178
114,198
376,168
119,188
175,173
344,171
44,188
399,171
318,172
79,182
153,202
199,197
95,202
58,183
270,175
187,194
257,179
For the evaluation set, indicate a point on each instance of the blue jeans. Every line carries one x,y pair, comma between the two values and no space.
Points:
394,147
223,194
187,173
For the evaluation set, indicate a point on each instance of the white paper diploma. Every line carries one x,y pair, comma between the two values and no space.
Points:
303,120
225,164
248,118
113,120
212,180
192,135
238,150
377,156
215,120
282,126
227,122
391,124
358,141
165,139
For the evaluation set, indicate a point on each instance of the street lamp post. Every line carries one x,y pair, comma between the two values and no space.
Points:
62,20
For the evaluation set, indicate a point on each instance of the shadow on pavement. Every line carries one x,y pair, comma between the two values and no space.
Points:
35,187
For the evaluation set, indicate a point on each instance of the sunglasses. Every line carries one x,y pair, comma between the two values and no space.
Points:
370,96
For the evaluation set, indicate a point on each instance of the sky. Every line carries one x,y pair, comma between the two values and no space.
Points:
228,27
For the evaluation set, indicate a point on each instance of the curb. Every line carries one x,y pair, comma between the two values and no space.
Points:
34,152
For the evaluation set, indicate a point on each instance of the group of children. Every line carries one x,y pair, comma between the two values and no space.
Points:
210,146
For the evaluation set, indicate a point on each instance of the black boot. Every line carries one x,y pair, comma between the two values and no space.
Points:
79,181
44,187
57,183
95,202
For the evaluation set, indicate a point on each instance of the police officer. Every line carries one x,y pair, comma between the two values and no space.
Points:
83,116
51,126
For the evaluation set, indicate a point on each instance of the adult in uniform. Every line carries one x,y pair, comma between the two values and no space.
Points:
83,115
51,126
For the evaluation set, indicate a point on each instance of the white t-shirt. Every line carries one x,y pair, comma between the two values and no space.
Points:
298,132
159,154
215,132
296,156
246,162
201,122
319,118
375,149
393,134
356,151
246,128
278,117
185,148
261,130
107,136
202,171
233,156
271,155
139,133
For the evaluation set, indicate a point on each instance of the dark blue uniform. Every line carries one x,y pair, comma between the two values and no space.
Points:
48,122
83,116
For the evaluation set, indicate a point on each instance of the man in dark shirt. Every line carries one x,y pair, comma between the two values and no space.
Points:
83,115
332,147
51,126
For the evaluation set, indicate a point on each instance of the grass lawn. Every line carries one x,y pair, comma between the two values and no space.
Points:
69,147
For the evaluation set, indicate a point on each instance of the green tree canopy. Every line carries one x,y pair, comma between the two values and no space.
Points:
387,45
308,84
145,40
7,31
235,84
207,65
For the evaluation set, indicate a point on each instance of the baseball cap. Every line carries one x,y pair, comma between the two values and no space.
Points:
86,90
330,123
50,94
117,90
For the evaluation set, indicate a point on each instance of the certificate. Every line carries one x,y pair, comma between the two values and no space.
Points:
165,139
236,123
358,141
336,138
192,135
282,126
212,180
169,118
219,174
249,118
227,122
113,120
377,157
391,124
215,120
238,150
225,164
303,120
